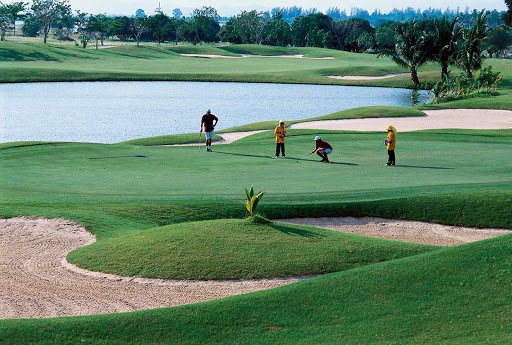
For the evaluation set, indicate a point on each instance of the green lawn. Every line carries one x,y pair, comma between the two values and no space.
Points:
183,206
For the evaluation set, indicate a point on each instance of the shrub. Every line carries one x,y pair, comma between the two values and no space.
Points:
252,200
459,87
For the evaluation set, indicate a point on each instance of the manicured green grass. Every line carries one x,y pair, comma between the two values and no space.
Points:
456,295
117,195
190,138
238,249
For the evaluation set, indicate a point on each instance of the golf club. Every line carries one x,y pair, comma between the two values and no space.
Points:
199,143
304,157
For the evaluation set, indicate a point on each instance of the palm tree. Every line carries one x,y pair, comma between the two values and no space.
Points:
411,49
448,34
471,56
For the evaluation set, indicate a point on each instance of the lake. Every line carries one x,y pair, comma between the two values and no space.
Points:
110,112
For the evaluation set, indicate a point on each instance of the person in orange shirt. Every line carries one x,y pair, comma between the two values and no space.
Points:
280,133
390,145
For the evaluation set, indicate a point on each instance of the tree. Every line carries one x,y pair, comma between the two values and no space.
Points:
410,49
31,27
365,41
507,16
498,40
205,24
48,12
385,35
177,29
99,26
8,14
278,31
471,56
448,33
356,27
157,27
246,27
313,30
138,26
81,22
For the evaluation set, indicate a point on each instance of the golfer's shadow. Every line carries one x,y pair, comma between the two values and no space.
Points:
242,154
421,167
270,157
288,230
330,162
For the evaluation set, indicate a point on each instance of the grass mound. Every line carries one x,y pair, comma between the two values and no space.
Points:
234,249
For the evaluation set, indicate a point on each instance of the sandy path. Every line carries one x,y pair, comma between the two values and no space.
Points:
227,138
435,119
402,230
364,77
36,282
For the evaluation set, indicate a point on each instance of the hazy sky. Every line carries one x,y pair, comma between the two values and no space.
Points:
227,8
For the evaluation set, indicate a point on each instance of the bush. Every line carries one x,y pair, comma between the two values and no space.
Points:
460,87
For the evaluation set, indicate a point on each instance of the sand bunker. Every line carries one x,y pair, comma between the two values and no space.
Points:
244,56
402,230
364,77
37,282
435,119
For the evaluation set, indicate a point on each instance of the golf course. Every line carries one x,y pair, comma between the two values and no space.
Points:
162,213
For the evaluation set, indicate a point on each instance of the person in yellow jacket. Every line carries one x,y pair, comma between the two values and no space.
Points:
280,133
390,145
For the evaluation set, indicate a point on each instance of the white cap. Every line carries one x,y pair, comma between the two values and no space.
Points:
317,138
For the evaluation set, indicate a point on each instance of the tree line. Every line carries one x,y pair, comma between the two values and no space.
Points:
309,28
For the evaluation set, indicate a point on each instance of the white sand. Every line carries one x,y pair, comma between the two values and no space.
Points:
364,77
402,230
37,282
244,56
435,119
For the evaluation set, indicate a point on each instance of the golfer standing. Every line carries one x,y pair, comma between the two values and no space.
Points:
322,148
390,145
208,122
280,133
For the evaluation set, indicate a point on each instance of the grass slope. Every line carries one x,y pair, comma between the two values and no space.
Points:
238,249
456,295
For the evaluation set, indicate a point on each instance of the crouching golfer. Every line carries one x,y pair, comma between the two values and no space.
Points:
207,120
322,148
280,133
390,145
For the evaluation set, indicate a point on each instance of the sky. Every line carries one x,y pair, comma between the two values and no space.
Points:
229,8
